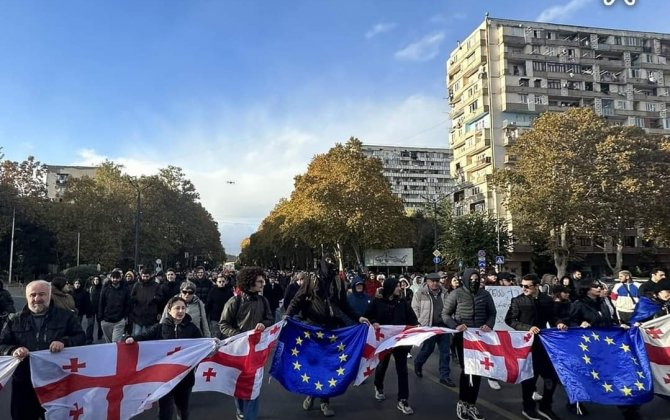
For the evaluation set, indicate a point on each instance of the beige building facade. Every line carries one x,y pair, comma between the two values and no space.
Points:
58,178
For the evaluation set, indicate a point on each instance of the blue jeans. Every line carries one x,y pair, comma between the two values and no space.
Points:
426,350
247,407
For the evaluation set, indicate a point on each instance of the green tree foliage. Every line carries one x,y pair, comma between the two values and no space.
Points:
463,236
343,203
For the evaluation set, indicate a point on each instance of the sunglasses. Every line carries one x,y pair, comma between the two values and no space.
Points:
527,286
187,292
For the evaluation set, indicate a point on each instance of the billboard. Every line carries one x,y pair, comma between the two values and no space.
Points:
394,257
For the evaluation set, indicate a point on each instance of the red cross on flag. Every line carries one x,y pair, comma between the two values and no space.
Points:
412,337
7,366
113,381
502,355
237,368
370,358
656,336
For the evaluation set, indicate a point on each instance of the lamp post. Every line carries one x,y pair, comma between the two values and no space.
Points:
135,182
433,201
11,246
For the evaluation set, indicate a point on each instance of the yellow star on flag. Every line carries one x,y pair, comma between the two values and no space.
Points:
595,336
296,365
319,334
626,391
609,341
595,374
294,351
341,347
298,340
587,359
332,382
318,385
307,334
584,347
608,387
586,339
640,374
304,377
639,385
340,371
333,338
634,359
343,357
625,348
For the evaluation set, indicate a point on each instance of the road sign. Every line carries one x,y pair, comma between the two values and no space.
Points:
481,258
437,260
482,264
460,264
500,260
481,253
437,253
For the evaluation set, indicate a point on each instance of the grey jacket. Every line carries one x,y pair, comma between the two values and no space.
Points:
243,313
462,307
422,304
196,309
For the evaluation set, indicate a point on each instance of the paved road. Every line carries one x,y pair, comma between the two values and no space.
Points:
428,397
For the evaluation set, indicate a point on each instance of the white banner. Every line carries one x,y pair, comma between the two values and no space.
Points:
395,257
502,296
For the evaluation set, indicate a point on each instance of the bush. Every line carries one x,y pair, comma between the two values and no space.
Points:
82,272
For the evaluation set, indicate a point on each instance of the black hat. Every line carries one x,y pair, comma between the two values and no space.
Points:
433,276
664,284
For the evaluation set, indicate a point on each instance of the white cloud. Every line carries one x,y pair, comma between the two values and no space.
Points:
379,29
562,12
263,158
424,49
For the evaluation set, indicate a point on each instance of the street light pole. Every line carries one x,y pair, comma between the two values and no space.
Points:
11,246
138,214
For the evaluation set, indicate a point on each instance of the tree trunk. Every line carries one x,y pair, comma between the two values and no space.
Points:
561,251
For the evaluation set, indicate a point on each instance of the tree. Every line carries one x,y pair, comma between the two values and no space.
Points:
547,191
27,177
463,236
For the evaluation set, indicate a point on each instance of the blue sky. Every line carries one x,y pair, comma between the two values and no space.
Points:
246,91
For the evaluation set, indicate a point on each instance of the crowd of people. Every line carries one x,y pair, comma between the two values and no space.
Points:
134,307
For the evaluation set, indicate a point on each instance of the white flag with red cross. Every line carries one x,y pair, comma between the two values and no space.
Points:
237,368
113,381
656,336
370,358
412,336
8,365
502,355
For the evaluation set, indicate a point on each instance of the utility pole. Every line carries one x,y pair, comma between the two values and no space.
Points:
78,237
138,214
11,246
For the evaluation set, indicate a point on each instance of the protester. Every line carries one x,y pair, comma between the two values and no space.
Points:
469,306
216,301
390,309
248,311
533,311
292,288
647,288
94,292
39,326
169,288
358,299
625,295
273,292
114,308
427,304
194,307
203,285
372,283
323,302
176,325
82,300
59,297
405,291
145,300
6,304
417,282
567,281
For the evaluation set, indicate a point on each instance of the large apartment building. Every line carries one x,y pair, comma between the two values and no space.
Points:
418,175
58,178
507,72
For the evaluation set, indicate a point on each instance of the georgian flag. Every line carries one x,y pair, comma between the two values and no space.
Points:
656,336
370,358
413,336
8,365
502,355
237,368
113,381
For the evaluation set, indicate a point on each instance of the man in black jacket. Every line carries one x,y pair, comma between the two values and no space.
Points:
273,292
533,311
203,285
169,288
114,308
39,326
145,300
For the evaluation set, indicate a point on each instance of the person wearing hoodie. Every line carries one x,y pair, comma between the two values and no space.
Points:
216,300
176,325
358,299
82,300
250,310
428,303
469,306
405,291
390,309
292,288
59,297
94,292
194,307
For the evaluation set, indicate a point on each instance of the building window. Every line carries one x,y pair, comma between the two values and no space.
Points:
650,106
524,99
539,66
473,106
538,100
537,83
553,84
524,82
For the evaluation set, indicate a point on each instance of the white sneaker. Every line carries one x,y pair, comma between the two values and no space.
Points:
462,411
494,384
537,397
403,406
474,413
379,394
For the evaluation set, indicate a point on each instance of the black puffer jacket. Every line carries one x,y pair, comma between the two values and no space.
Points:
145,300
389,309
58,325
203,287
526,311
216,300
462,307
114,303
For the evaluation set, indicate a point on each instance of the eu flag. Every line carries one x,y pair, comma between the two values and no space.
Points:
644,310
318,362
601,365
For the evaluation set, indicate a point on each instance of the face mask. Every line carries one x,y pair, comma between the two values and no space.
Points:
474,286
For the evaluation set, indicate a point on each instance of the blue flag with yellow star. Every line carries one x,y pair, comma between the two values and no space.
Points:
601,365
315,361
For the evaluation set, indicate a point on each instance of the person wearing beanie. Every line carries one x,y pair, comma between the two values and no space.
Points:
390,309
358,299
